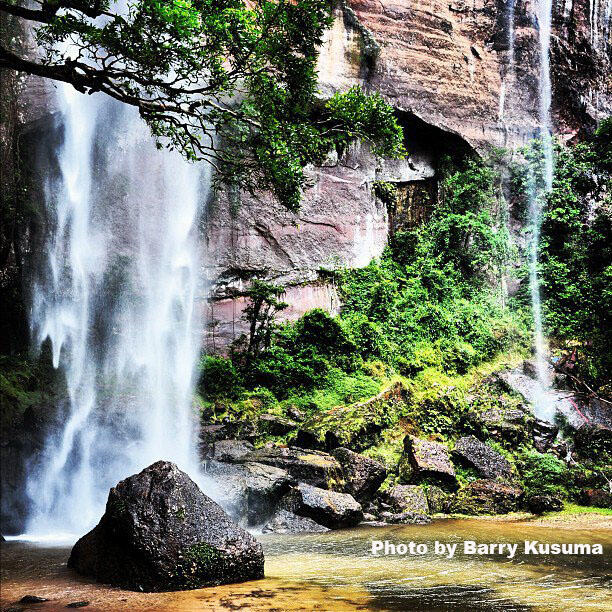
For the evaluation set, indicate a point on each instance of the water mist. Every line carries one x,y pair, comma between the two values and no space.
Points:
116,297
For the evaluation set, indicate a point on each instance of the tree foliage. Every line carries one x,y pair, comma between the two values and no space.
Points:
228,81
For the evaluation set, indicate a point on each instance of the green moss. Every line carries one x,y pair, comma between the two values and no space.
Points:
201,565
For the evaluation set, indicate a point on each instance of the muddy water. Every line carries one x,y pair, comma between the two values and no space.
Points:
336,571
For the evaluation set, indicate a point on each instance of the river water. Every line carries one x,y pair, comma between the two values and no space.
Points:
336,571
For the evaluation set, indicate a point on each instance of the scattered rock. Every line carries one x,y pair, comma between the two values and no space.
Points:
511,424
78,604
160,532
329,508
275,425
369,518
544,434
408,498
423,459
363,475
487,497
305,438
487,462
293,412
405,518
538,504
250,490
315,468
287,522
530,368
32,599
232,450
599,498
438,500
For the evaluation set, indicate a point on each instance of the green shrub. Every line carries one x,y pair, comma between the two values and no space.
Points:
543,474
219,378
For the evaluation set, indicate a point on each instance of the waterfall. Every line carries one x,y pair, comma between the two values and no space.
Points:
116,296
540,186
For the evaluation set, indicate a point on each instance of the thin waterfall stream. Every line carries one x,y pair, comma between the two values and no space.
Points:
116,297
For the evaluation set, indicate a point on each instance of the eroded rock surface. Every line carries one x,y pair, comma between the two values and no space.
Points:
424,459
408,498
363,475
478,455
328,508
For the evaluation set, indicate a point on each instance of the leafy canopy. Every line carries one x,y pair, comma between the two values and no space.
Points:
229,81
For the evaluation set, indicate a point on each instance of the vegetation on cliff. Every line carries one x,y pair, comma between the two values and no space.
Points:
226,81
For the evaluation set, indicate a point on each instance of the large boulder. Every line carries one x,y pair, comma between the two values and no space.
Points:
160,533
315,468
363,475
597,497
287,522
512,424
250,491
487,497
426,460
328,508
538,504
408,498
275,425
438,500
478,455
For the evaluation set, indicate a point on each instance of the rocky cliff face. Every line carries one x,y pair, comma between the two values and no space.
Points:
462,74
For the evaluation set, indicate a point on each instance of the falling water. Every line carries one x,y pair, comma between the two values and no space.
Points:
537,195
116,296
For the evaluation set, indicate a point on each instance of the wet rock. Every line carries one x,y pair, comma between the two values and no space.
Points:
511,424
408,498
487,462
438,500
599,498
405,518
287,522
538,504
424,459
363,475
487,497
209,434
232,450
160,532
275,425
250,490
530,368
32,599
544,434
315,468
329,508
78,604
594,441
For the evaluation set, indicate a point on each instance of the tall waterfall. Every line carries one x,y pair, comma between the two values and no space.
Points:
116,296
540,186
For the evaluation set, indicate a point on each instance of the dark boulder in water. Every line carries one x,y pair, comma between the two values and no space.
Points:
161,533
328,508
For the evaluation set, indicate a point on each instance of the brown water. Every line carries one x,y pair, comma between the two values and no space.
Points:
336,571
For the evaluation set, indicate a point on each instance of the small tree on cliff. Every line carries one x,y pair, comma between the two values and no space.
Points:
260,312
229,81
